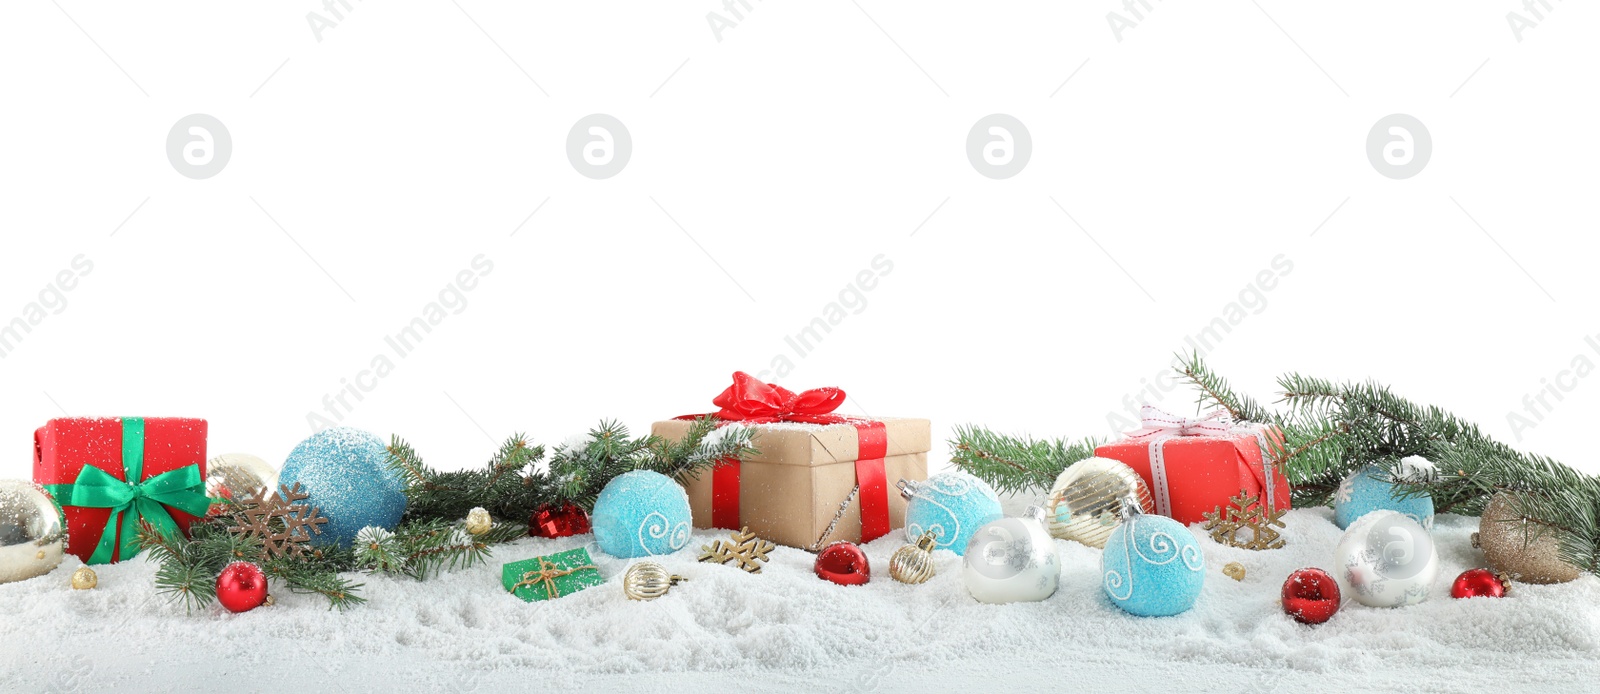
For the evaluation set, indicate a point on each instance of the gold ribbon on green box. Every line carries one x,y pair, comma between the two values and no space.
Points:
133,499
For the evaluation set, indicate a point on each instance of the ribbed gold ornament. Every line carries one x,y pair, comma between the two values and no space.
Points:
914,563
648,580
478,521
1086,502
84,578
1233,570
1504,537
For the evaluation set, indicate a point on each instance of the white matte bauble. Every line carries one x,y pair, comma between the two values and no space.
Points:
1012,560
1386,559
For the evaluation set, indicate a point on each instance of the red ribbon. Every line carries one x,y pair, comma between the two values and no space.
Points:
751,401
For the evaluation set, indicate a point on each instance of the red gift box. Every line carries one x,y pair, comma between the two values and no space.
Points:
1194,466
87,464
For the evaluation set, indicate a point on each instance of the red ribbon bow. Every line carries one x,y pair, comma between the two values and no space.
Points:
750,400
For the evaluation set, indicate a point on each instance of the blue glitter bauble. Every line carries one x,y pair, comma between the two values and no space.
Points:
1152,567
1365,491
345,472
951,505
641,514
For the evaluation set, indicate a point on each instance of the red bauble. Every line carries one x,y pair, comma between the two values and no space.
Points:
1311,596
558,521
844,564
1478,583
241,587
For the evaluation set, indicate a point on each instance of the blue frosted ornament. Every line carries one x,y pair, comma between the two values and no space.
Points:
346,473
641,514
1152,566
1367,490
951,505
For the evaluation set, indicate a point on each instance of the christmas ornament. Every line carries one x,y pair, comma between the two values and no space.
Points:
843,563
1012,560
241,587
914,563
647,580
1386,559
478,521
270,601
84,578
1243,513
548,578
1233,570
284,526
233,475
1152,566
346,475
1480,583
1310,596
641,513
745,548
1367,490
1086,502
951,505
1525,551
33,536
558,521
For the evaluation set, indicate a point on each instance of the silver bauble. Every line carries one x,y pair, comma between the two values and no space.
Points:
238,474
32,537
1012,560
1086,501
1386,559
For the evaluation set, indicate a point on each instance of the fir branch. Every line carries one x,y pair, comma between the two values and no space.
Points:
1216,391
1015,464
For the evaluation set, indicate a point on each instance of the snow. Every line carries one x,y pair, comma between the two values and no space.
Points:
784,629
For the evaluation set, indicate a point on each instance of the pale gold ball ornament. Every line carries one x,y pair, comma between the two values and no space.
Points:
478,521
647,580
913,564
1233,570
33,538
1504,536
1086,502
84,578
270,601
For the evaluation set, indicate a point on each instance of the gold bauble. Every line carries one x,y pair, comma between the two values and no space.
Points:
84,578
1086,502
32,537
1234,570
914,563
1504,537
647,580
478,521
270,601
233,475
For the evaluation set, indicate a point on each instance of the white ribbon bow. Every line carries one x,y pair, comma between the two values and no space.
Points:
1155,422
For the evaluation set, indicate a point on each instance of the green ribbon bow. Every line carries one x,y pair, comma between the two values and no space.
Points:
133,500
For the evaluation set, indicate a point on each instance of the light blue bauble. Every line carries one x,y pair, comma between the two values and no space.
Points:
1365,491
951,505
1152,567
641,514
346,473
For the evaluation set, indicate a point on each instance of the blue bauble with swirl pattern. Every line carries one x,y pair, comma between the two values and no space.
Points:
346,472
1152,567
951,505
1366,490
641,514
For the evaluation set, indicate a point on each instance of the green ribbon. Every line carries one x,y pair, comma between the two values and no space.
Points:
135,499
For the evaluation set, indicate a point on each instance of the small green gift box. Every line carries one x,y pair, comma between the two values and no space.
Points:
550,577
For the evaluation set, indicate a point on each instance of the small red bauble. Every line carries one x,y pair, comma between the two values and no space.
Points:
558,521
241,587
1311,596
844,564
1478,583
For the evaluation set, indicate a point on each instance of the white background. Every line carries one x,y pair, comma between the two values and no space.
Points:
811,138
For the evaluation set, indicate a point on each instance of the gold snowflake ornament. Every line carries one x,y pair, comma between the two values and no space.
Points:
744,547
1243,513
283,525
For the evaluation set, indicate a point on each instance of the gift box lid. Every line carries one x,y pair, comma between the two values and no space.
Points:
795,443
